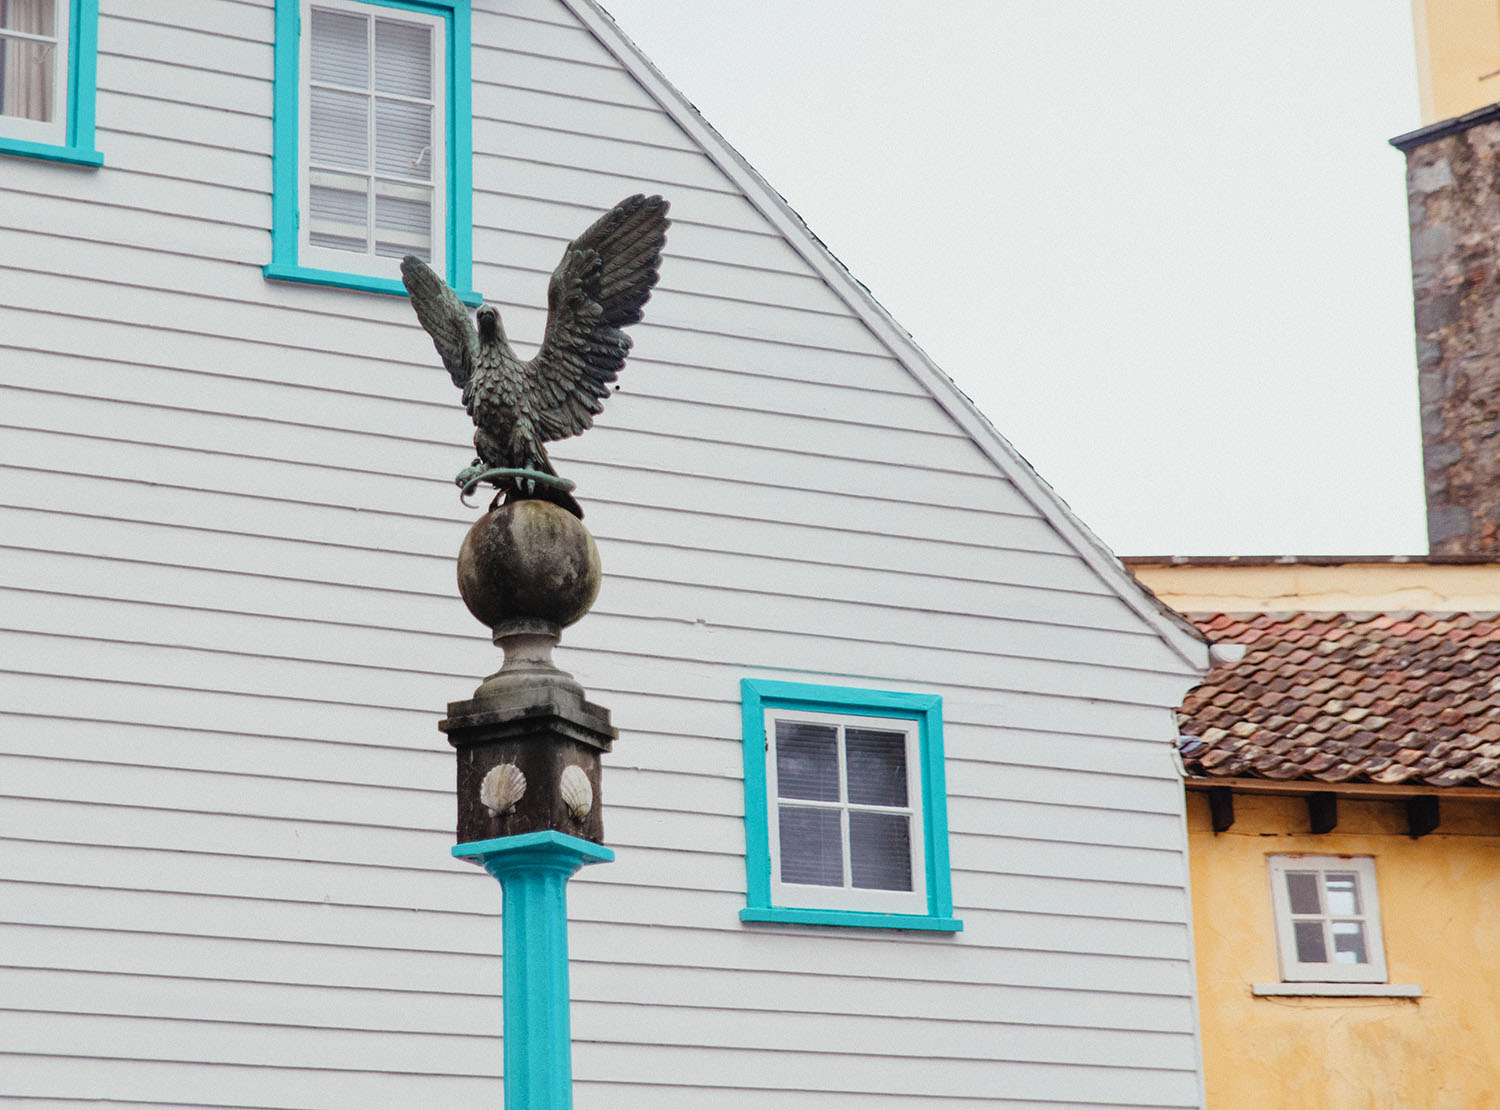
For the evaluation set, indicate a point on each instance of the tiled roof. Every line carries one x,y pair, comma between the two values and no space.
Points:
1386,698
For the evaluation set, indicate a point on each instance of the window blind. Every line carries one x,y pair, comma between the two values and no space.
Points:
853,827
371,134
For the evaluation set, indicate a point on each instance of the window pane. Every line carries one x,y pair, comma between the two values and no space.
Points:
807,761
1349,943
1302,891
403,59
35,17
1343,892
26,74
1310,946
812,848
877,767
403,139
402,226
339,212
340,48
340,129
880,850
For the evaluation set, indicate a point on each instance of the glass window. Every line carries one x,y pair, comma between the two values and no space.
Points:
1327,919
845,813
372,142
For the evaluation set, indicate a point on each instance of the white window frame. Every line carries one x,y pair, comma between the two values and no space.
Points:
849,897
368,262
53,132
1295,971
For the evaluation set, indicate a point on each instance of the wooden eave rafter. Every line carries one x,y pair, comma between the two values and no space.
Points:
1422,802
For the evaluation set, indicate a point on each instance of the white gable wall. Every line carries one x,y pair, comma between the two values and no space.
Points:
230,626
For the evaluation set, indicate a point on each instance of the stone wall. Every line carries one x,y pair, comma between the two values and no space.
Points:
1453,185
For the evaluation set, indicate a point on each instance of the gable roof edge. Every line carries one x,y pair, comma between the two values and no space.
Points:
1180,635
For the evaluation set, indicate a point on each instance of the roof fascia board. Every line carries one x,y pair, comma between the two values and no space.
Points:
1180,635
1351,790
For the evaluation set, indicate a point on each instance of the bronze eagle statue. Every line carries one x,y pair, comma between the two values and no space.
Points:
599,288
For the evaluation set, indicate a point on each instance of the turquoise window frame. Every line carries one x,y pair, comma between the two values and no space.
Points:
83,63
285,264
926,710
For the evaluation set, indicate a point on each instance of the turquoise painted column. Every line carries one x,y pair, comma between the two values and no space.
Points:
534,869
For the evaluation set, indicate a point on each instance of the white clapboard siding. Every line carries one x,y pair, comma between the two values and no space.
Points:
230,18
90,1077
1048,626
686,1098
449,890
915,1078
137,572
218,90
689,168
345,488
135,30
47,611
85,220
304,671
228,628
1084,991
814,598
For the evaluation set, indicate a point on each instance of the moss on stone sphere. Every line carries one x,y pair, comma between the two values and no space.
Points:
528,559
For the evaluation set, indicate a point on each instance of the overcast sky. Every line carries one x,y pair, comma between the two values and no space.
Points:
1161,243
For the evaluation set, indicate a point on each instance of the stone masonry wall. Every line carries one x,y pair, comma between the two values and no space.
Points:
1453,187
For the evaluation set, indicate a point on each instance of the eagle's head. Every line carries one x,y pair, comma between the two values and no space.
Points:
488,321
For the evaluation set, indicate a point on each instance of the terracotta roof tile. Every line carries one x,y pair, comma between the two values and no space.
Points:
1340,697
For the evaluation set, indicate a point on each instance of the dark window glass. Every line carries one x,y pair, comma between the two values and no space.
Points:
880,850
1302,891
807,761
811,847
1310,946
877,766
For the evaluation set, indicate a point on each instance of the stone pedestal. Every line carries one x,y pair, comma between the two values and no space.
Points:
528,740
541,732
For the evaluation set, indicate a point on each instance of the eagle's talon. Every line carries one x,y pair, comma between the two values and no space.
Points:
468,477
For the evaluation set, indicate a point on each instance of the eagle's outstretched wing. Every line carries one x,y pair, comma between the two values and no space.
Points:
444,317
605,277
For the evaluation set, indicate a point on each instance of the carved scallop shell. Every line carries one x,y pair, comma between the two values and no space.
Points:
502,788
576,792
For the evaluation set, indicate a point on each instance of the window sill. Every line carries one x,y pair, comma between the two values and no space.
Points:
277,271
780,915
1336,990
73,155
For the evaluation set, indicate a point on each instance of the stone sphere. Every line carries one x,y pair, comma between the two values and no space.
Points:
528,560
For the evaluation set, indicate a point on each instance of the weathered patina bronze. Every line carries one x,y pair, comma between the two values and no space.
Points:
599,288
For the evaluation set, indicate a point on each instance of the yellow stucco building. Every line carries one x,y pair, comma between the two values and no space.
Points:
1344,831
1458,56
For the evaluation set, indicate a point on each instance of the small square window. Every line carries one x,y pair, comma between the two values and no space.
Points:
1327,919
845,809
48,54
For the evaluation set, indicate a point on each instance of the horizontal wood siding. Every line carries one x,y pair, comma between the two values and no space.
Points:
228,627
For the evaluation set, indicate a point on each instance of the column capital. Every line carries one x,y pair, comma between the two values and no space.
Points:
547,849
